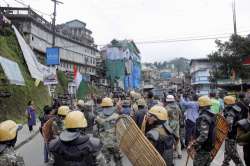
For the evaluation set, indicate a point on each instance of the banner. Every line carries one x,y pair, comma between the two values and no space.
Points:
36,69
12,71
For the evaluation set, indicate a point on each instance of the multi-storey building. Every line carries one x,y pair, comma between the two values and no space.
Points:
200,76
122,64
77,47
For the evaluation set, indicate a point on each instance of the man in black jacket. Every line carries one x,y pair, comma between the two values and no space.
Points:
75,149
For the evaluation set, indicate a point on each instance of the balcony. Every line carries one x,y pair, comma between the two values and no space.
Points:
200,80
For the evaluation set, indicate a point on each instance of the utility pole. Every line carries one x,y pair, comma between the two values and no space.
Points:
56,2
234,17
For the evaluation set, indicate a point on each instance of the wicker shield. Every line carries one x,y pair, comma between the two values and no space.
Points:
135,145
221,133
221,130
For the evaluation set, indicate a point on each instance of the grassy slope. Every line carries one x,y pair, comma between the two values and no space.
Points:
14,106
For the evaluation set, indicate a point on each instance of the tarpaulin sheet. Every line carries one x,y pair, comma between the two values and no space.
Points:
36,69
128,82
136,75
12,71
115,69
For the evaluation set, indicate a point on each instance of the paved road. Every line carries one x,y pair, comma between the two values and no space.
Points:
33,154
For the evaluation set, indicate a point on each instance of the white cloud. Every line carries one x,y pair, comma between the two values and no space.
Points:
153,20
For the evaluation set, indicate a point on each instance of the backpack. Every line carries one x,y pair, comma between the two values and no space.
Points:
47,131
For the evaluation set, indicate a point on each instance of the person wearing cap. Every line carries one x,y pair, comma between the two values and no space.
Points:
232,114
134,97
204,133
106,120
174,113
243,137
160,134
142,111
8,137
74,148
126,108
58,121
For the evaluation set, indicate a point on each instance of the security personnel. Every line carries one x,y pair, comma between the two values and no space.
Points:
160,134
232,114
204,133
126,108
243,104
8,136
73,148
174,113
142,111
150,100
86,109
134,97
243,137
106,130
58,126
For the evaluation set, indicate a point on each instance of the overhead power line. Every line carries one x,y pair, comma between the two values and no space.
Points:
186,39
25,5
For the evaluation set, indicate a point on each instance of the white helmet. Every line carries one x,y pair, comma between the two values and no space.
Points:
170,98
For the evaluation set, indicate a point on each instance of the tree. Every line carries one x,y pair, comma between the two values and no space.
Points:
227,60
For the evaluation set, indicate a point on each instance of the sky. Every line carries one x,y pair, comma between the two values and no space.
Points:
153,20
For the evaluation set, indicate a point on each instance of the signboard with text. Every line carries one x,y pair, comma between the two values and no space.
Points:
52,56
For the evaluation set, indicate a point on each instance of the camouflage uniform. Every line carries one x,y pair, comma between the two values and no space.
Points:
174,116
106,129
57,126
205,138
231,153
8,157
163,139
232,115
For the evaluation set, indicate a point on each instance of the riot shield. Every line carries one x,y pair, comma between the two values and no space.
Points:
135,145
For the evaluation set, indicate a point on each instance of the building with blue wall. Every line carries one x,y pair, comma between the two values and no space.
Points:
200,76
123,64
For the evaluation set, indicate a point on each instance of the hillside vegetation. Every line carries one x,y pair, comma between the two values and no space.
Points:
13,107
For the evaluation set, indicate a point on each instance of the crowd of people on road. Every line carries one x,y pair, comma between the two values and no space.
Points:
84,133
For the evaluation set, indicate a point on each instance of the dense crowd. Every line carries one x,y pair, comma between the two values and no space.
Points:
84,133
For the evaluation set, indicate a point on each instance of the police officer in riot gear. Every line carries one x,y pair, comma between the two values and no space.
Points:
160,134
8,136
86,109
232,113
243,137
106,119
72,148
204,133
58,121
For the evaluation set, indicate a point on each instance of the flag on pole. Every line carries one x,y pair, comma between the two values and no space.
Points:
77,76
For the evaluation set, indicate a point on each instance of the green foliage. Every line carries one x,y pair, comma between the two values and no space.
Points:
229,57
63,81
180,64
14,106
